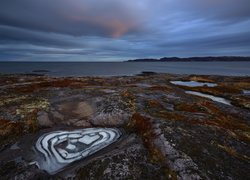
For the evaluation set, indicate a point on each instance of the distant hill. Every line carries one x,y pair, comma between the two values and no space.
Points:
176,59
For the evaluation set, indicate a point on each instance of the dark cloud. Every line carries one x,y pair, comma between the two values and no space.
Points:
232,44
218,9
118,29
16,35
78,17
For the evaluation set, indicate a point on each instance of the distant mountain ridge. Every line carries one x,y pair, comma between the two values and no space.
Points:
209,58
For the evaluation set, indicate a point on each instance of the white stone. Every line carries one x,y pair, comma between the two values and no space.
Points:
88,139
71,146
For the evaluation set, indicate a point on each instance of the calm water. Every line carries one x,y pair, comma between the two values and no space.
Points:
127,68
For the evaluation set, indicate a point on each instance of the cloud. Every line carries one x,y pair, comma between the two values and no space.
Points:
13,35
218,9
204,9
120,30
78,17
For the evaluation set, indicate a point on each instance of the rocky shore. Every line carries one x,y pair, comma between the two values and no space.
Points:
148,126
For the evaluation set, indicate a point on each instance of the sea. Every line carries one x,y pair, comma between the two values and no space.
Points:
241,68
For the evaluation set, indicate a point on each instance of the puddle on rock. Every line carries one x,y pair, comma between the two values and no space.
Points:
14,147
193,83
247,92
60,148
143,85
108,90
214,98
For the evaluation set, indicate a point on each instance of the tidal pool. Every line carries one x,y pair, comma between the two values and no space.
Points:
214,98
193,83
247,92
60,148
143,85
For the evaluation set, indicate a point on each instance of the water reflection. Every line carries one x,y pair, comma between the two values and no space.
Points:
214,98
193,83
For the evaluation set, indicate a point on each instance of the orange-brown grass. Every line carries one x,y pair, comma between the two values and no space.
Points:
60,83
231,151
189,107
129,98
173,116
223,91
156,109
229,123
127,94
161,88
217,91
225,122
242,101
154,103
10,127
201,79
30,122
9,131
242,85
4,80
222,120
143,127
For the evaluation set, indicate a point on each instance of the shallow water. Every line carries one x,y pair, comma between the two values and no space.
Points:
214,98
60,148
193,83
143,85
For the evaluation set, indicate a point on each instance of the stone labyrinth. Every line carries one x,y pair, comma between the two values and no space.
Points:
60,148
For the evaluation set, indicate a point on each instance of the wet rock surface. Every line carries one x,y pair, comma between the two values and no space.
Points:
162,132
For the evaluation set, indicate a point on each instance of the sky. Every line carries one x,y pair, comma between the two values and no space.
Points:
117,30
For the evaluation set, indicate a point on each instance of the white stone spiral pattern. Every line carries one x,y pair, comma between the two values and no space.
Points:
60,148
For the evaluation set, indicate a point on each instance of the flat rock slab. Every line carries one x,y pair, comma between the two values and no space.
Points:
79,109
